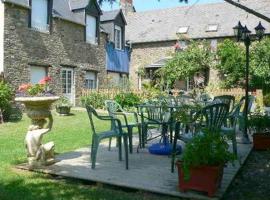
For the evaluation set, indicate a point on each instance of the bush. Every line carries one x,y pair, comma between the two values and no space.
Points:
95,99
127,100
6,95
266,100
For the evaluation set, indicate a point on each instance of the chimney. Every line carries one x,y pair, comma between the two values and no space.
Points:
127,6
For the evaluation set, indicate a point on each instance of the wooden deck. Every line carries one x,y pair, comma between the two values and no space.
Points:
147,172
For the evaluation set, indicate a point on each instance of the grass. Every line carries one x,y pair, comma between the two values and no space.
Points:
69,133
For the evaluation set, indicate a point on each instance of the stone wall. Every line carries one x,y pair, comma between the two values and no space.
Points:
147,53
144,54
64,46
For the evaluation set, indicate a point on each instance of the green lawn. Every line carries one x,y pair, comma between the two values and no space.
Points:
69,133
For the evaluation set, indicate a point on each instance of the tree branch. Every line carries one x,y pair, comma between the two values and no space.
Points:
257,14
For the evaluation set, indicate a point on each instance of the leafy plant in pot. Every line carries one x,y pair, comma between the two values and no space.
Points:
201,165
63,106
259,124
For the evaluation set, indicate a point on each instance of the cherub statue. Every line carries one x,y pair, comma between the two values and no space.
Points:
38,153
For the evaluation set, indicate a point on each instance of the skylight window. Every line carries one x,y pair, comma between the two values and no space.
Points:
212,28
183,29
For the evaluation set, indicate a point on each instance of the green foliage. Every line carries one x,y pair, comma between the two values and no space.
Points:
6,95
186,113
266,100
63,101
196,57
260,64
95,99
259,122
209,149
231,64
127,100
35,89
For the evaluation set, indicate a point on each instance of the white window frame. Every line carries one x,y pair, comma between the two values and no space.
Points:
118,28
39,24
89,38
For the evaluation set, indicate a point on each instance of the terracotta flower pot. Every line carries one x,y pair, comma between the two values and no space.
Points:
261,141
205,179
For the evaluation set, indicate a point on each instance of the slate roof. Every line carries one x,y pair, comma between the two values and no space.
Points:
162,25
63,9
111,15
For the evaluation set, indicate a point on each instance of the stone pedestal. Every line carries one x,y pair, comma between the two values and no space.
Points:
38,110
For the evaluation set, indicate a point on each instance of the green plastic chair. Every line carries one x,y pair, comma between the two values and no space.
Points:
230,129
115,110
116,132
210,118
153,116
228,99
241,117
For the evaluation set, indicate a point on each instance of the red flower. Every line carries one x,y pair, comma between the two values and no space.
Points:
45,80
24,87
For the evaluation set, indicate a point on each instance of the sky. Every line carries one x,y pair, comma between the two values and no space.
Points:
143,5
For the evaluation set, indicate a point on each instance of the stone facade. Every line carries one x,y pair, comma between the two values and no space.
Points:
144,54
64,46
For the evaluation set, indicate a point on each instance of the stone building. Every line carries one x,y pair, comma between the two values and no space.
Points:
57,38
154,34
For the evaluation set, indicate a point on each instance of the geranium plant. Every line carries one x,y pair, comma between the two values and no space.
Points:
39,89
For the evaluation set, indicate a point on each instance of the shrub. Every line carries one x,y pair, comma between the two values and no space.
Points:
127,100
6,95
95,99
266,100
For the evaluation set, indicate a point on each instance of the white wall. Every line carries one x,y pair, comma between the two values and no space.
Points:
1,36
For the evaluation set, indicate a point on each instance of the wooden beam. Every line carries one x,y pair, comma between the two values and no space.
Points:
249,10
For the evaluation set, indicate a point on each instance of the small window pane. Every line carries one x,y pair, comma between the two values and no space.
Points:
118,37
183,29
90,80
212,28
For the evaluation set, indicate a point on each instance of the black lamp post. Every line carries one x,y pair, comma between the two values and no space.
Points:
243,34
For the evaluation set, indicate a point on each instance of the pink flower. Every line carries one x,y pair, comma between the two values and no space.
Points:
24,87
45,80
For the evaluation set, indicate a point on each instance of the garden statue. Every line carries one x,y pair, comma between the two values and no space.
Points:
37,101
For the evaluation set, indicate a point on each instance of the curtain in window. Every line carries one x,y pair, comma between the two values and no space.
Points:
39,15
91,25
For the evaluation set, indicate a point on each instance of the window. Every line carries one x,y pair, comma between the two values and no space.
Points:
213,45
118,37
37,73
212,28
90,80
183,29
91,29
39,15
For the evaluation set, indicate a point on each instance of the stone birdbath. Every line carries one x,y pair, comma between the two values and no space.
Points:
38,110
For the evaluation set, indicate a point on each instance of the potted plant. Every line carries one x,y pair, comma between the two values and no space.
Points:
201,165
259,124
266,102
63,106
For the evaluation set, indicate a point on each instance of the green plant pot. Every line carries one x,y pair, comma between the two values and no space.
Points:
63,110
